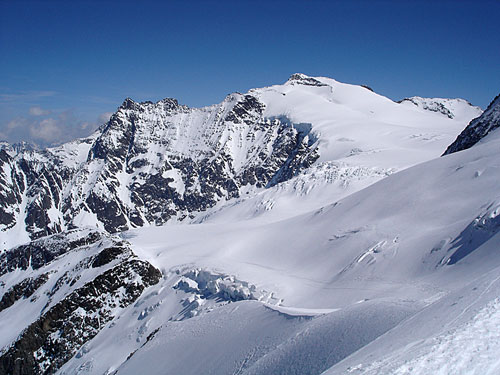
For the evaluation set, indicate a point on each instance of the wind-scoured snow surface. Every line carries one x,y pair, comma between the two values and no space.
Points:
456,335
356,250
478,337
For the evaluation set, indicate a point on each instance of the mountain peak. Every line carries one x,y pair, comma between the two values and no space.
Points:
166,104
453,108
128,103
302,79
169,103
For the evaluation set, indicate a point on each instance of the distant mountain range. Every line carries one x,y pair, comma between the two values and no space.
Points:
154,163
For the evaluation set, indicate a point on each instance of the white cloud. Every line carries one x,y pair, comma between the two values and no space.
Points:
47,130
104,117
25,96
44,127
15,124
38,111
58,128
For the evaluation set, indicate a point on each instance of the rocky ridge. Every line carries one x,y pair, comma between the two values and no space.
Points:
152,162
80,280
478,128
446,107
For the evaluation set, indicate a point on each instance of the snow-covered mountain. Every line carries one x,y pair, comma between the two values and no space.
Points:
327,236
161,162
451,108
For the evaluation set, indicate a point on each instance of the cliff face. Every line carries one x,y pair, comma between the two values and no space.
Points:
478,128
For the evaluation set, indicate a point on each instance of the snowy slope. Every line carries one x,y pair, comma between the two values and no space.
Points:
456,193
312,189
423,241
455,335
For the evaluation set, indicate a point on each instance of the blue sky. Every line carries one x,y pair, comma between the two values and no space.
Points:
65,65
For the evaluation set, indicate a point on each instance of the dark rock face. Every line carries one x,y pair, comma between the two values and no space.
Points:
107,255
43,251
76,319
45,191
63,327
433,106
151,163
11,188
478,128
24,289
31,186
304,80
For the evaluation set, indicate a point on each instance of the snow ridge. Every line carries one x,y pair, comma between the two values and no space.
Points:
450,108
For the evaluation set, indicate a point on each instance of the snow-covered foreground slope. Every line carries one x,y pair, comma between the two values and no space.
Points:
456,335
412,260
